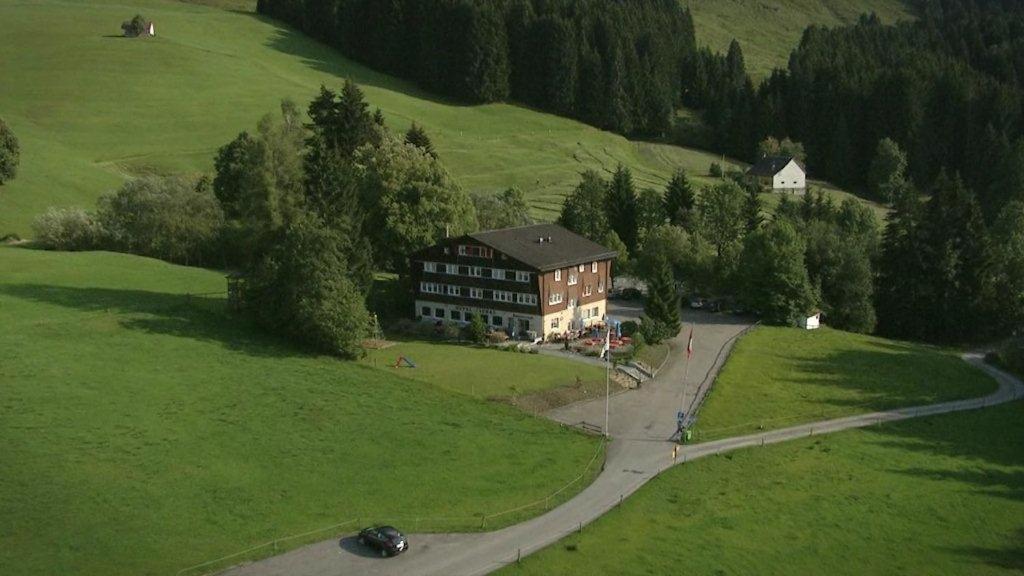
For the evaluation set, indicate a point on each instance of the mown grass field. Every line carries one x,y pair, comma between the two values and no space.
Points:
778,377
145,431
481,372
939,496
92,108
768,30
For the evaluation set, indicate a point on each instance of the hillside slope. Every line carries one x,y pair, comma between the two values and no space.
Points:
91,107
768,30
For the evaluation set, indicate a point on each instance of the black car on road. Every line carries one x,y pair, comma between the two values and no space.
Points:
386,539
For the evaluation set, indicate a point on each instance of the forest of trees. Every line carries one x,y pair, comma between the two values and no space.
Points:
946,88
612,64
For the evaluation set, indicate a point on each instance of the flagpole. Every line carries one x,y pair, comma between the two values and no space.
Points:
686,374
607,381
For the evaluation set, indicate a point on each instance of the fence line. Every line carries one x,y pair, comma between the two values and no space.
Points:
470,519
273,543
698,400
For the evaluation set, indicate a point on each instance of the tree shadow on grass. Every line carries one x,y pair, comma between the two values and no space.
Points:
1008,557
988,446
887,375
202,318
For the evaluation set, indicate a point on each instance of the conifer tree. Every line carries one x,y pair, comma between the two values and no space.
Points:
662,303
621,207
752,207
417,136
680,200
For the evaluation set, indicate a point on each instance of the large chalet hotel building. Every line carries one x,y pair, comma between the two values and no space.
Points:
530,281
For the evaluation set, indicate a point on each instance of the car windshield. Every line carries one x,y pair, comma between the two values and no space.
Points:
390,532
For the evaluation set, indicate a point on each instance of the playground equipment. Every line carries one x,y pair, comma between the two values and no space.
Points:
403,360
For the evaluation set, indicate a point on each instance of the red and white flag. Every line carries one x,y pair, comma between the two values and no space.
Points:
689,345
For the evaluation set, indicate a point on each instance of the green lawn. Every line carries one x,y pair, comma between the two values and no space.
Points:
145,431
777,377
91,108
768,30
938,496
481,372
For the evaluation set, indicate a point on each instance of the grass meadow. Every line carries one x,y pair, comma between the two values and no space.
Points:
92,108
481,372
941,496
145,430
778,377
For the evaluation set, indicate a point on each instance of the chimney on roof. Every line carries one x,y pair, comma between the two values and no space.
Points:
540,240
549,239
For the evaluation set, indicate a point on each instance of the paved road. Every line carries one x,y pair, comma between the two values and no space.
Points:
641,424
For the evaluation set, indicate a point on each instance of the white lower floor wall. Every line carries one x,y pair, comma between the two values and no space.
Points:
553,324
576,318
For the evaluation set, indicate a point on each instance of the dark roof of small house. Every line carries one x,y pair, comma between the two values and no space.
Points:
544,246
770,165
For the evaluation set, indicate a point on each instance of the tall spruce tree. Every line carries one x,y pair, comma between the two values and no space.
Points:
680,200
417,136
900,299
752,207
621,207
662,303
958,271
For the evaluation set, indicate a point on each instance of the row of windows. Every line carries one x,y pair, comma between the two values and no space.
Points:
476,271
459,316
477,293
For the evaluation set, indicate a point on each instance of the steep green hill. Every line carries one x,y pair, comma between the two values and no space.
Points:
769,29
91,107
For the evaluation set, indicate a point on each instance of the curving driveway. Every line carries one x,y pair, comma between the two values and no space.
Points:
642,423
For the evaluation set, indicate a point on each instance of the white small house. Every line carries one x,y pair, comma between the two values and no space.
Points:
811,321
783,173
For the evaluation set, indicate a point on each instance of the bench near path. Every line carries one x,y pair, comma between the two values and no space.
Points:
642,422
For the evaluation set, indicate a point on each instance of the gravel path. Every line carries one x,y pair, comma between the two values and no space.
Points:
642,424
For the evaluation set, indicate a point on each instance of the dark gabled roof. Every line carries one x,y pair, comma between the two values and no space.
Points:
770,165
558,248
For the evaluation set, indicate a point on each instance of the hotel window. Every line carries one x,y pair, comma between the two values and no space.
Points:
462,250
558,275
442,269
581,268
464,270
438,312
573,279
454,291
430,287
429,267
530,299
456,315
594,312
425,311
572,302
522,276
593,267
588,290
447,250
555,322
476,293
487,273
497,321
555,298
469,316
476,271
600,287
501,296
